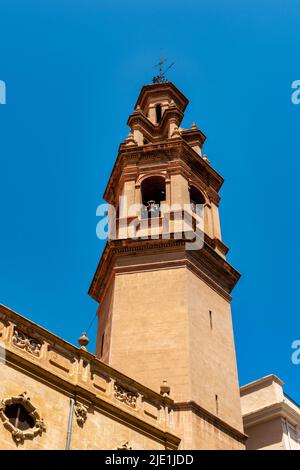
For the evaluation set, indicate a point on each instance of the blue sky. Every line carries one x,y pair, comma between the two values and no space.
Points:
73,70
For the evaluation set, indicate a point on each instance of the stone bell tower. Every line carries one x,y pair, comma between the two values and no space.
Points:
164,299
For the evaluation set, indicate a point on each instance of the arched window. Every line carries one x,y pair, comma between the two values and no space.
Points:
153,193
197,200
158,113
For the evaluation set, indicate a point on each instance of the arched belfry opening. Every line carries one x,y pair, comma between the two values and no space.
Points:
158,113
197,200
153,192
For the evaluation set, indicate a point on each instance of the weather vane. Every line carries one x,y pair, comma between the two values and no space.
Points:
161,78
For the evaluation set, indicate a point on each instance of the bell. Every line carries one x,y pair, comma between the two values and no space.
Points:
151,206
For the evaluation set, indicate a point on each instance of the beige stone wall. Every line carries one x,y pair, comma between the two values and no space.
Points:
200,434
271,419
212,352
179,191
161,330
150,329
266,436
262,393
118,408
51,404
208,436
100,431
104,325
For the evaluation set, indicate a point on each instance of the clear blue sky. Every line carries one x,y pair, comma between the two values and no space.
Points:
73,70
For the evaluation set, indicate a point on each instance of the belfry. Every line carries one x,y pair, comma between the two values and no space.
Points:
163,284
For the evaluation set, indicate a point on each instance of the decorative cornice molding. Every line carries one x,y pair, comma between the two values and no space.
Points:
270,412
82,376
211,418
262,382
206,263
168,151
159,88
154,132
23,341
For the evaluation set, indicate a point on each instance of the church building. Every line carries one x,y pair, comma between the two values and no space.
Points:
164,373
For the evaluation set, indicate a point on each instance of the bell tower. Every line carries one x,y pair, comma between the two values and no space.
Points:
163,282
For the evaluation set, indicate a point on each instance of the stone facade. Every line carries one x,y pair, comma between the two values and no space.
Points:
271,418
164,375
164,298
110,409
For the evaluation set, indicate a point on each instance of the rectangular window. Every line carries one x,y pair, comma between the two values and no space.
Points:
294,438
102,344
217,404
210,320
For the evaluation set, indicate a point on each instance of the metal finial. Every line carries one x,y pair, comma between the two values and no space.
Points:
161,78
83,341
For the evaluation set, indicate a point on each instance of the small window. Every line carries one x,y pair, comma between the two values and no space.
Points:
102,344
210,320
217,404
19,417
158,112
145,141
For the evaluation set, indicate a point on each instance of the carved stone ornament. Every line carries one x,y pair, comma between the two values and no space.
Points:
124,446
125,396
20,435
25,342
81,413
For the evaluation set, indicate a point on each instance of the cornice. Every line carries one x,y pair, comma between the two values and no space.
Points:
11,317
262,382
138,120
76,373
168,151
270,412
158,88
212,419
205,263
100,404
193,135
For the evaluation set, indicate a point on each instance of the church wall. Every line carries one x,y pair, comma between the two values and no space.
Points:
201,434
101,432
149,329
161,330
52,405
104,325
213,360
179,191
98,432
208,436
44,372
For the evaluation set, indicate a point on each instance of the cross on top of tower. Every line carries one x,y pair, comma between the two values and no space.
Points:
161,78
